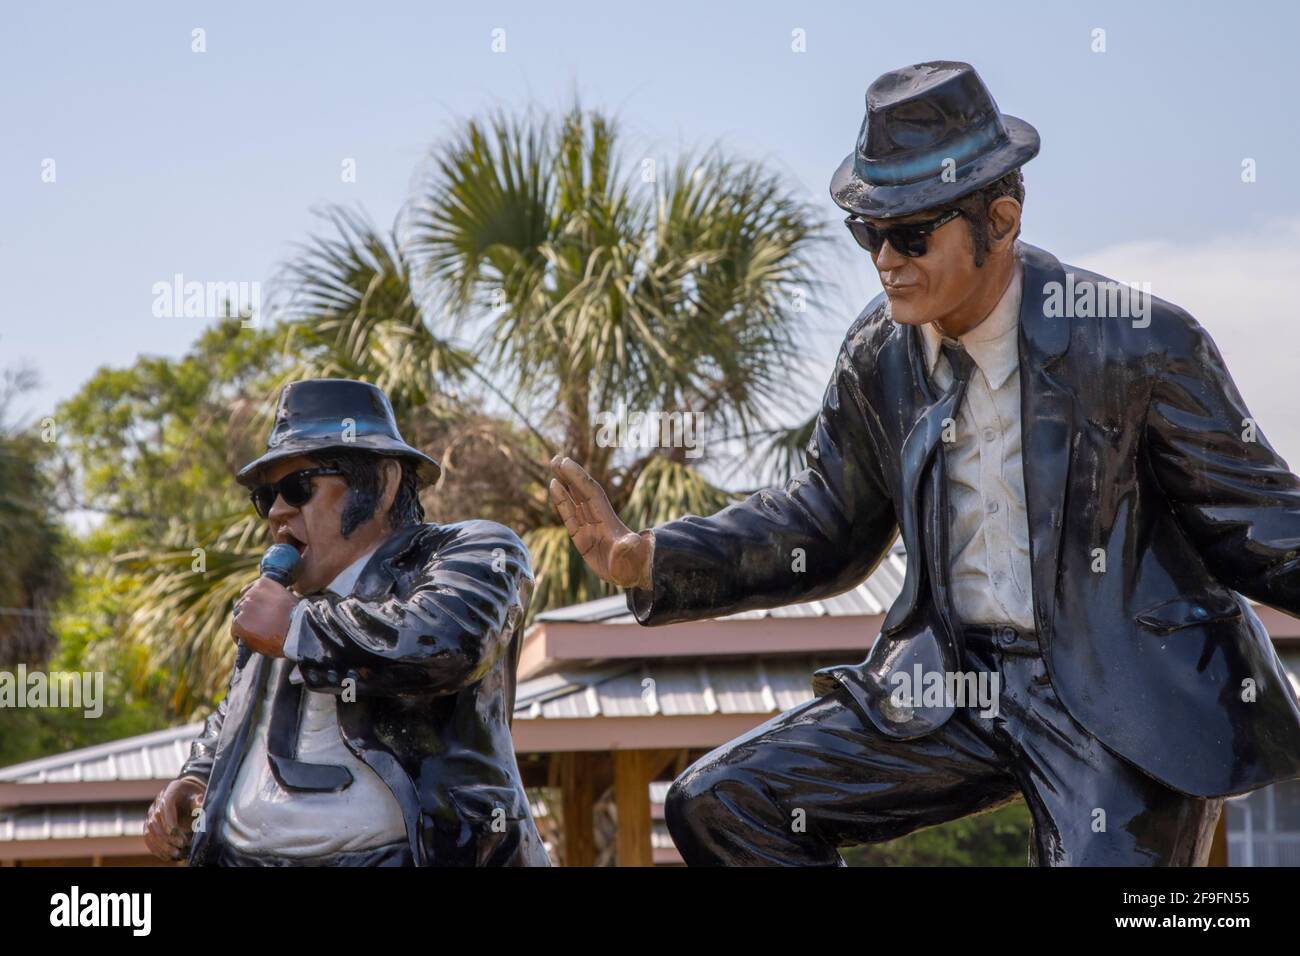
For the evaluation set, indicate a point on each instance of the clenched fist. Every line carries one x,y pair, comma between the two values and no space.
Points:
616,553
262,616
169,826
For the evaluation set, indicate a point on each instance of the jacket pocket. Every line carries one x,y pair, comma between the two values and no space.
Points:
1188,611
488,803
493,817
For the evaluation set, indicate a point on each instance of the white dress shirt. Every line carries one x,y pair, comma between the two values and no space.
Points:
988,521
264,818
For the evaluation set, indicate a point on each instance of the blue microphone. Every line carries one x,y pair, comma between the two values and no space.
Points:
280,564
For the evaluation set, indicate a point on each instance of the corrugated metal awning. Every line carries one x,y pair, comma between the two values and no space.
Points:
155,756
73,822
670,689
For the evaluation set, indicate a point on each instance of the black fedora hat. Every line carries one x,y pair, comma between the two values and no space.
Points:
924,121
323,413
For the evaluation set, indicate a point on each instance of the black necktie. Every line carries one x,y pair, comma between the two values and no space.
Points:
961,364
282,743
924,518
937,514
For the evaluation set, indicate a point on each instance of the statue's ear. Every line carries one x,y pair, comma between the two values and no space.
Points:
1004,222
390,470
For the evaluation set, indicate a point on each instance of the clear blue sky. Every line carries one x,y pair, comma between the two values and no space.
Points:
209,164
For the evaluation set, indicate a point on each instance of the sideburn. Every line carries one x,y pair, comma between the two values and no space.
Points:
979,237
358,508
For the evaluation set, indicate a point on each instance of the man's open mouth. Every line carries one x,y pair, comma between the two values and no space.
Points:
287,537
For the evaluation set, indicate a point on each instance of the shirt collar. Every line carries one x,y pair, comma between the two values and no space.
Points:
347,578
992,344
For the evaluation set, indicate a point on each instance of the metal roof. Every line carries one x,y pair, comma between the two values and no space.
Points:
73,822
755,685
872,596
155,756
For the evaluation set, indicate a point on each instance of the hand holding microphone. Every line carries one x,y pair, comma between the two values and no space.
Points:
265,607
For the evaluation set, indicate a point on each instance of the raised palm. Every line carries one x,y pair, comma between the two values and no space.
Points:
613,551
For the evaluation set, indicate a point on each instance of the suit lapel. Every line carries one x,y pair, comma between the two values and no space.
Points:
380,574
1047,425
913,458
231,747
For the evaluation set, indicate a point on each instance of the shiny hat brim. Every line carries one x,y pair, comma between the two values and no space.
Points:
427,469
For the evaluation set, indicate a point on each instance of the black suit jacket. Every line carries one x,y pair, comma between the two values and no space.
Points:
430,638
1133,444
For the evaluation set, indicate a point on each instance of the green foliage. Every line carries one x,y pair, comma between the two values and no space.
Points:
152,449
354,313
583,289
530,286
151,443
89,625
588,287
186,585
32,560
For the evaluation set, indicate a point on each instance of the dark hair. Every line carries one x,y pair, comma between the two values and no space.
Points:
361,472
974,208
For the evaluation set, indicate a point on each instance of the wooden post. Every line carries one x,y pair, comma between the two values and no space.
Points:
1219,845
577,786
633,770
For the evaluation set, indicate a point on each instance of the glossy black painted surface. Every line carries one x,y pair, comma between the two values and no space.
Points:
838,778
321,413
430,641
1134,444
921,122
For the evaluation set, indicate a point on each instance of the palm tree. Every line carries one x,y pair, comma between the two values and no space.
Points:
585,290
530,286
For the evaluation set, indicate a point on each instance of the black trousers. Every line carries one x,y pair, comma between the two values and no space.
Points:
821,776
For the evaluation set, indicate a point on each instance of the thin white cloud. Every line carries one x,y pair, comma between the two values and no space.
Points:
1242,288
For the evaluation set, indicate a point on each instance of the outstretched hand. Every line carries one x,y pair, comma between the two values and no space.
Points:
616,553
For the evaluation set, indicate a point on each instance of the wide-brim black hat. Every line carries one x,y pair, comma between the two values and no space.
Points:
932,134
320,414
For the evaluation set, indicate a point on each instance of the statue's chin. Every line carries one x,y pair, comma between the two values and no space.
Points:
906,313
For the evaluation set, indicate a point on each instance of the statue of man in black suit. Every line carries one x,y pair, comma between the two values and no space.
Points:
1086,504
368,717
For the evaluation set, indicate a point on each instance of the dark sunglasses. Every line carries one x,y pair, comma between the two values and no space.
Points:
909,239
296,489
